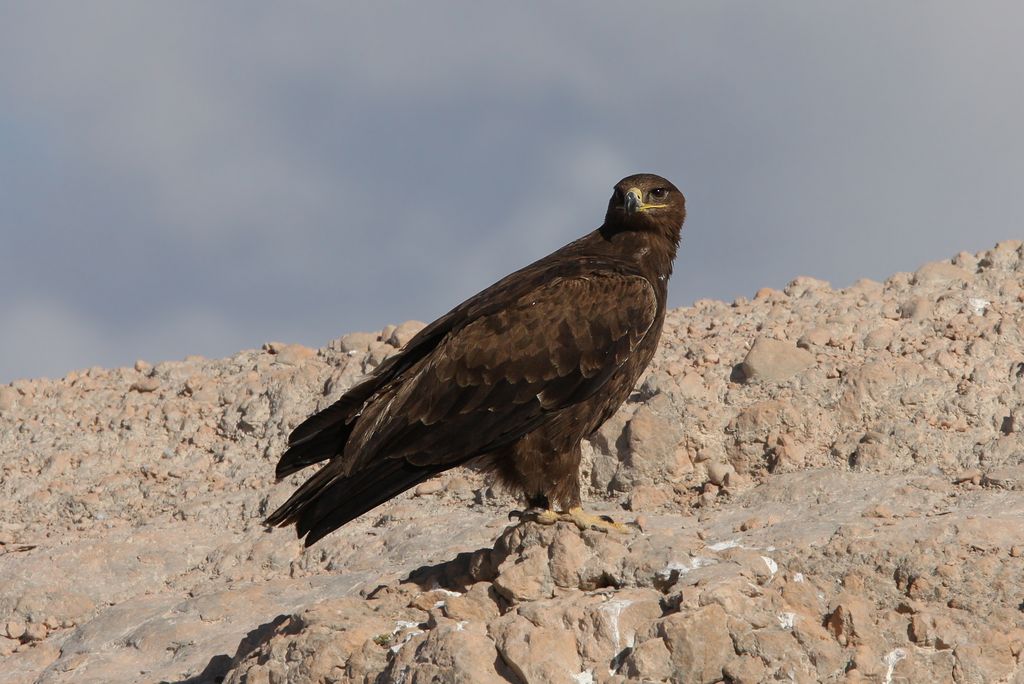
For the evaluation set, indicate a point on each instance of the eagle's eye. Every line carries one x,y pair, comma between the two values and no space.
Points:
659,193
617,195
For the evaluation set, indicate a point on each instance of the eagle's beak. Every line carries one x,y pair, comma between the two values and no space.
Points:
634,201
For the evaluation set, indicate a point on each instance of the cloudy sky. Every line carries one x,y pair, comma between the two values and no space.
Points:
196,178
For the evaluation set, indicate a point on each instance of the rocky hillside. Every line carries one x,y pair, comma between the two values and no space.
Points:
819,485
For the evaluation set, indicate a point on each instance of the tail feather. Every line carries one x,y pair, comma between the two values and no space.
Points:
323,434
318,447
326,501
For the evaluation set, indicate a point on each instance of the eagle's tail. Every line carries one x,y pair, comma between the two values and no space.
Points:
323,435
320,446
326,501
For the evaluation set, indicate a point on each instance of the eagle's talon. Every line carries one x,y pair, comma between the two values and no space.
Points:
541,516
594,521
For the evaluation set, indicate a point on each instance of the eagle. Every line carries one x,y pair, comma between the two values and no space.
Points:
511,380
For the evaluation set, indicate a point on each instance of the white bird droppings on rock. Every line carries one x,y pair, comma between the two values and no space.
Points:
978,305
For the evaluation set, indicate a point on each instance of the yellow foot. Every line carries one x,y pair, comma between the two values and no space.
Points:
577,516
592,521
541,516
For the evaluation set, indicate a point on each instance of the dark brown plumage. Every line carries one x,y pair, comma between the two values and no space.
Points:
513,378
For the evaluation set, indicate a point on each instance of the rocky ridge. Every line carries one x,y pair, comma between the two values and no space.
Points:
820,484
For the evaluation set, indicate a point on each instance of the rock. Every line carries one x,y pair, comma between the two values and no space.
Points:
34,631
803,285
479,604
358,342
8,397
538,655
650,659
1005,477
878,338
917,308
568,555
699,644
941,272
150,384
854,523
651,438
403,333
451,652
850,621
718,473
647,497
815,337
431,486
526,578
292,354
14,629
774,361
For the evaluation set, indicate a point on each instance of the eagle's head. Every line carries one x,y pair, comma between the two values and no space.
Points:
649,203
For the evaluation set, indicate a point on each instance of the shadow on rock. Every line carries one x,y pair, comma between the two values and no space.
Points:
216,670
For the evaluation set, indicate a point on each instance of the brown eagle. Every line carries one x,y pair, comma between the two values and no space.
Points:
511,379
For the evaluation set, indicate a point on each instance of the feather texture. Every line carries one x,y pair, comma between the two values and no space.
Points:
514,377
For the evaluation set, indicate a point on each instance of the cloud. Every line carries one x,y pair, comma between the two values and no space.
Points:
296,172
43,337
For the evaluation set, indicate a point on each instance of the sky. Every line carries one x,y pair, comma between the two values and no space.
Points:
185,178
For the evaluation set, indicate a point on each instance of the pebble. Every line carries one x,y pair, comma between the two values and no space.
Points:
14,629
774,360
431,486
941,272
971,475
815,337
917,308
150,384
878,338
718,473
34,631
405,332
8,397
357,342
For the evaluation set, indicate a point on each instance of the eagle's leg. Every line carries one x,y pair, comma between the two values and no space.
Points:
541,513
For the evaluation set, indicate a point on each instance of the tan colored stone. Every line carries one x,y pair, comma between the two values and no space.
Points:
34,631
14,629
451,652
568,555
404,332
525,578
850,620
648,497
815,337
479,603
539,655
650,659
774,361
941,272
699,644
150,384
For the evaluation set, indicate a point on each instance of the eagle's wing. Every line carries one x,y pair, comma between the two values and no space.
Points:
484,385
490,382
